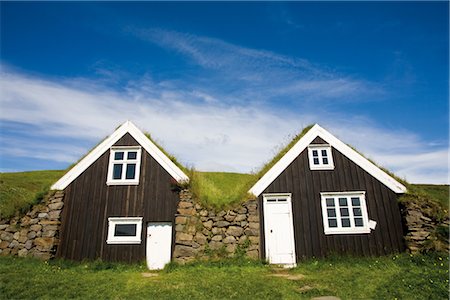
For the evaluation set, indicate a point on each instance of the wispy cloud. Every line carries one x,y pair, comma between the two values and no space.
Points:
192,123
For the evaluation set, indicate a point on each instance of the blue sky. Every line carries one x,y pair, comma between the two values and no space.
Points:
223,85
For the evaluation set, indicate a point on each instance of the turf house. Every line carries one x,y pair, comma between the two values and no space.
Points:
122,202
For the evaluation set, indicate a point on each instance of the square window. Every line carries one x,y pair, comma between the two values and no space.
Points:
320,157
342,201
118,155
344,213
124,166
124,230
117,173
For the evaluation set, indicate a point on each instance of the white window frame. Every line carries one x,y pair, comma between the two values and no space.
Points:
124,162
368,224
321,165
113,221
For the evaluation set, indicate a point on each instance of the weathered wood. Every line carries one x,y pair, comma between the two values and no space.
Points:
306,186
89,202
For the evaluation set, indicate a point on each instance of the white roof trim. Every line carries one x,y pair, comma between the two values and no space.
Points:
304,142
127,127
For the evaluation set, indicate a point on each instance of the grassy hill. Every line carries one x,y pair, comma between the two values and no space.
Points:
18,191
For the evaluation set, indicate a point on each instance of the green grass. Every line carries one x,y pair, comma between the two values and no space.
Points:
390,277
18,191
219,189
440,193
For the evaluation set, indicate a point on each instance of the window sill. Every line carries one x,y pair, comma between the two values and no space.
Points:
353,231
122,182
123,242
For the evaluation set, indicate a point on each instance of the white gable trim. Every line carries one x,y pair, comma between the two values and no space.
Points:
127,127
303,143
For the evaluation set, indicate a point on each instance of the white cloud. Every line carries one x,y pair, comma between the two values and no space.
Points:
192,124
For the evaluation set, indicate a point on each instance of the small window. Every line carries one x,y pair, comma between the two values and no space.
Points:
124,165
126,230
320,157
345,213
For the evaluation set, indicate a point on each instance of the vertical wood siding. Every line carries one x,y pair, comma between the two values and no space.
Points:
89,202
306,186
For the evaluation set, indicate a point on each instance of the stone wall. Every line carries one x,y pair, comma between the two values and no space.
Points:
423,231
203,233
37,233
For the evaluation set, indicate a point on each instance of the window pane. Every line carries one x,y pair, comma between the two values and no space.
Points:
331,212
117,171
125,230
131,170
325,161
118,156
330,202
315,153
316,161
344,212
324,152
357,211
342,201
332,223
359,222
282,200
356,202
132,155
345,222
271,200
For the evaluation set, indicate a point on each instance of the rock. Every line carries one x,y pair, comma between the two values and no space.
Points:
179,227
22,239
56,206
6,252
242,210
28,244
181,236
254,254
221,224
48,233
42,215
229,218
253,225
215,245
217,238
251,232
3,226
6,236
22,252
25,221
254,240
198,206
186,211
231,248
184,204
50,227
180,220
244,224
240,218
200,238
44,243
253,218
242,239
229,240
42,255
14,244
34,221
216,230
181,251
54,214
4,244
235,231
16,235
221,213
48,222
203,213
208,224
35,227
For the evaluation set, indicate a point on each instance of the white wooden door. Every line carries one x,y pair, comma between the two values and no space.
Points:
278,229
159,245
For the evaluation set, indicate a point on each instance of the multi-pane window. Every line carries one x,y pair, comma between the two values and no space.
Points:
124,165
345,213
320,157
124,230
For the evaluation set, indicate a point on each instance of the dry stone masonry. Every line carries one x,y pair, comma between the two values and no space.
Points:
37,233
204,233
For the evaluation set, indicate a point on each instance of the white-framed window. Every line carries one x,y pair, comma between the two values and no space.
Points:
345,213
124,166
124,230
320,157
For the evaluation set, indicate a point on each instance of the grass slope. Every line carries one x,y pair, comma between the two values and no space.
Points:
20,190
390,277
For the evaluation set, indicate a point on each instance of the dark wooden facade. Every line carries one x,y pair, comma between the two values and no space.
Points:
89,202
306,186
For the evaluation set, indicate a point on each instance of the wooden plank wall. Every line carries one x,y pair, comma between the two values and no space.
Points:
89,202
306,186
